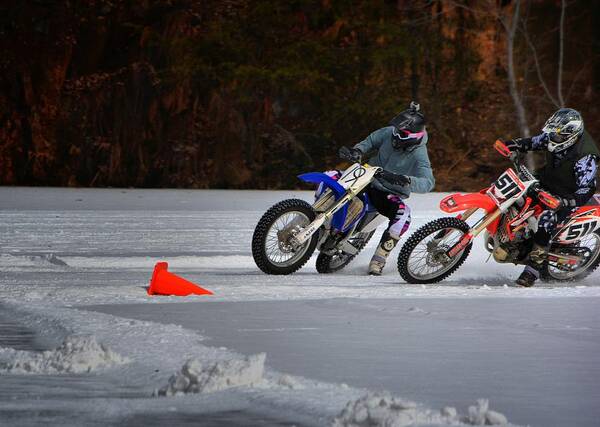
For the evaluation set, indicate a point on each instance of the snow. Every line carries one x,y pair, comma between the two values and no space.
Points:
75,263
383,409
198,377
480,415
77,354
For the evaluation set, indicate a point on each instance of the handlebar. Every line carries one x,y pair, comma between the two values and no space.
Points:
393,178
346,153
536,190
514,157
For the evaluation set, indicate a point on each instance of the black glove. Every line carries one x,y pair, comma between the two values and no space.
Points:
512,144
350,154
394,178
565,202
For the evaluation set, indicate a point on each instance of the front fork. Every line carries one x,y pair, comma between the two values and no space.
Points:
474,231
305,234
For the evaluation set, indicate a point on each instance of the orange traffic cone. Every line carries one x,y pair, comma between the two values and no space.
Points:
165,283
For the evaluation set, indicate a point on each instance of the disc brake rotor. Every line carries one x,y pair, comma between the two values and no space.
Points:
436,253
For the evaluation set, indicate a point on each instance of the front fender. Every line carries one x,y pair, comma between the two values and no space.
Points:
460,202
318,178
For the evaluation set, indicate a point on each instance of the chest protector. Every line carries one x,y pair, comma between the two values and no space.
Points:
559,177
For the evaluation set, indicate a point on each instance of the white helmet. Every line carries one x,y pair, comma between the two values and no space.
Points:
564,129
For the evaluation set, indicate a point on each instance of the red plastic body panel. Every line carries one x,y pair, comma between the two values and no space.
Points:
461,202
588,210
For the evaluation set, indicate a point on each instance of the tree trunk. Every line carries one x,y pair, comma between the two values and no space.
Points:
512,79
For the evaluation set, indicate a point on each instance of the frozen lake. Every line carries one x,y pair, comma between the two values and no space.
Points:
76,261
534,358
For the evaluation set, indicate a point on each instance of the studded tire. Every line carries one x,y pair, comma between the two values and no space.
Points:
422,233
259,237
324,261
546,276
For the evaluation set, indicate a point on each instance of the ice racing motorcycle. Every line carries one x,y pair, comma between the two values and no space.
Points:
338,224
508,213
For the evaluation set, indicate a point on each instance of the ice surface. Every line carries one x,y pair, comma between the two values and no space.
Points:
64,248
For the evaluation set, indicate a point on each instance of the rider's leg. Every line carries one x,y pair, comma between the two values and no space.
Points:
547,224
399,214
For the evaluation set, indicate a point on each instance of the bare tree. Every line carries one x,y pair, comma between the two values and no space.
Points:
558,100
511,32
561,52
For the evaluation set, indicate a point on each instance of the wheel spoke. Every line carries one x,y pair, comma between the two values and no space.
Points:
273,245
428,260
592,242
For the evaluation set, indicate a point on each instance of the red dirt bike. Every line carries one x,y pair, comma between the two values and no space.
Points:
511,207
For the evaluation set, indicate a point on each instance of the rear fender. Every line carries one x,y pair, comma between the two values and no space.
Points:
583,221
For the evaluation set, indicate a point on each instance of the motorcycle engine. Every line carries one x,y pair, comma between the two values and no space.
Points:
502,248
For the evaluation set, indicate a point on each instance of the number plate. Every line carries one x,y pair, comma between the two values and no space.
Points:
352,175
507,187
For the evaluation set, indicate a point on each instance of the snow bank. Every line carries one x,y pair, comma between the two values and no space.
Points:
198,377
77,354
384,410
290,382
481,415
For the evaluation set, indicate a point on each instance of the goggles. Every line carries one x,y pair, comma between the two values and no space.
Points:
403,134
557,138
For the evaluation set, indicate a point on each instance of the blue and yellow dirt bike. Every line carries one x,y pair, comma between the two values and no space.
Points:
338,224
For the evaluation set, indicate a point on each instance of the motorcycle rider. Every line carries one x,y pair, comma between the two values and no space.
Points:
569,174
399,148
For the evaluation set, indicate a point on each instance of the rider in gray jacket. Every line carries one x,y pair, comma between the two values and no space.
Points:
400,148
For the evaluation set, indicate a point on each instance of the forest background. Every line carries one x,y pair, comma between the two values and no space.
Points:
250,93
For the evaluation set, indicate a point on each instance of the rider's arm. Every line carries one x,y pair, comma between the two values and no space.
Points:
422,181
585,173
374,141
535,143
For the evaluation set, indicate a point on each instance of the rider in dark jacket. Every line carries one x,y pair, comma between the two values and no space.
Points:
400,148
569,174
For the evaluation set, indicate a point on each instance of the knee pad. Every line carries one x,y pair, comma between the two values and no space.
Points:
401,222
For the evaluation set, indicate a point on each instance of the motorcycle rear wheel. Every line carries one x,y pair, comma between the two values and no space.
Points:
420,259
271,249
552,274
331,263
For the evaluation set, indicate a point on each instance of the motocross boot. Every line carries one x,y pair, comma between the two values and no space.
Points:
532,271
385,246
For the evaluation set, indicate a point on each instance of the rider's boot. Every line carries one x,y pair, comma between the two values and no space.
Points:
385,246
532,271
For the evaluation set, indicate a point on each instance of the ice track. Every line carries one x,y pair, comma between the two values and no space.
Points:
76,262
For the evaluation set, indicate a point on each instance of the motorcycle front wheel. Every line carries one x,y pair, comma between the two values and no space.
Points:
271,247
423,257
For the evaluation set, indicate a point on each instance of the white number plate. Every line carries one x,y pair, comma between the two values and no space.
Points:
352,175
507,187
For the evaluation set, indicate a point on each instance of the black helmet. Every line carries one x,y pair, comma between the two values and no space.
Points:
564,129
408,127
